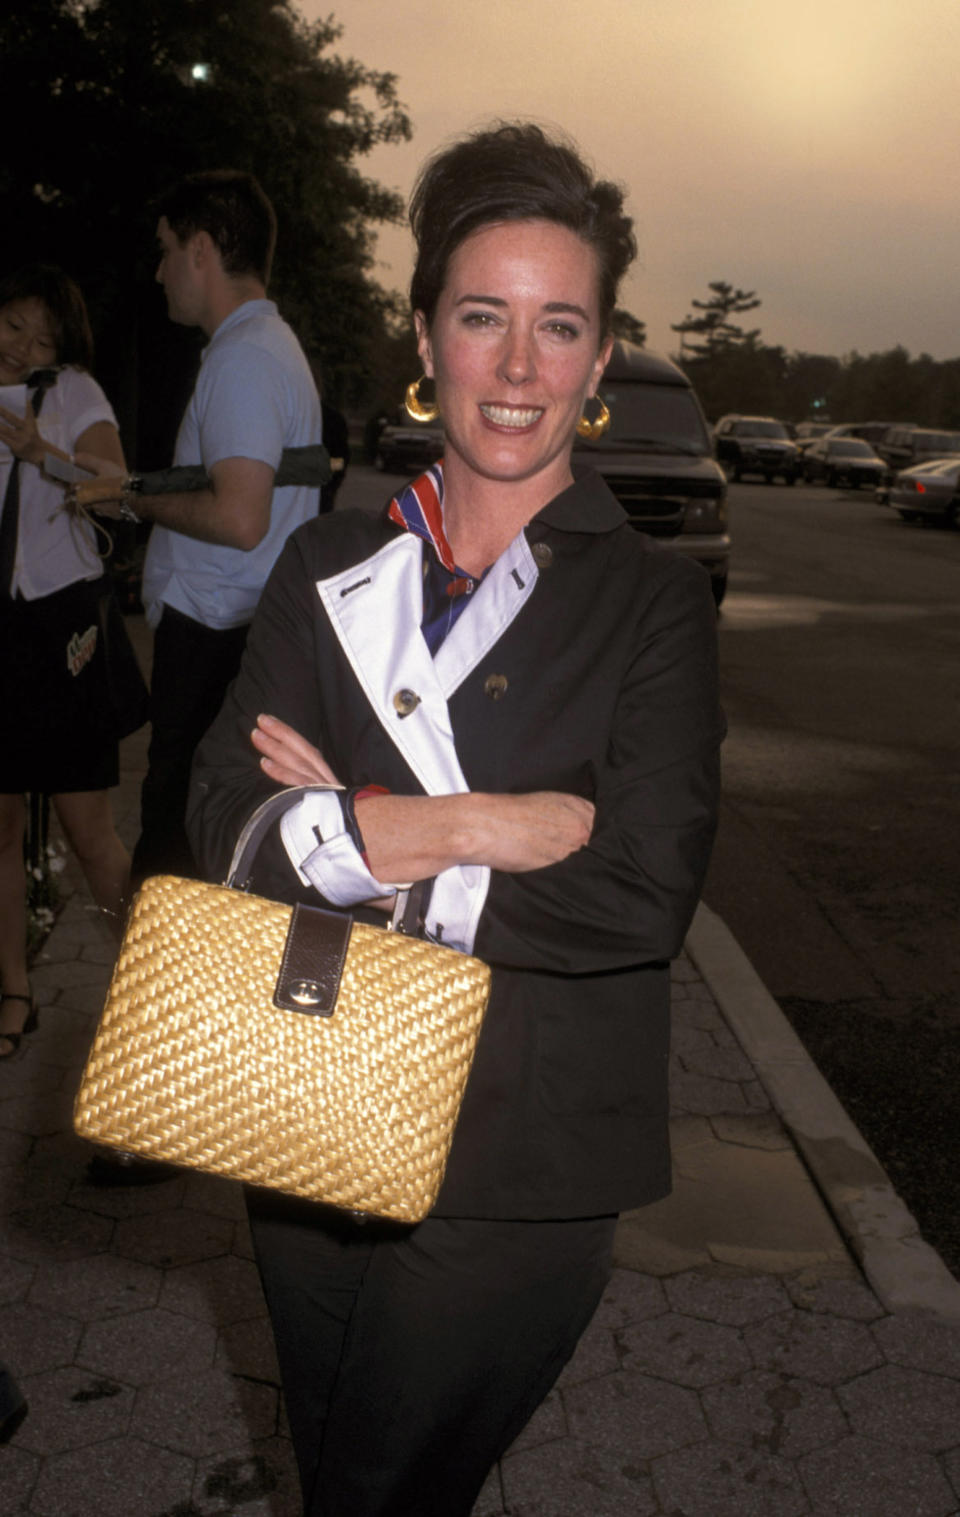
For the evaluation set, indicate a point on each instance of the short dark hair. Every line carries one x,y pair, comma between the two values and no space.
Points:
514,172
65,305
231,207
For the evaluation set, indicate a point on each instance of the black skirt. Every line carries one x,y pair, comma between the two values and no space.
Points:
58,719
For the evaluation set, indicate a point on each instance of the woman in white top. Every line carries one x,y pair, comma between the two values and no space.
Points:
57,735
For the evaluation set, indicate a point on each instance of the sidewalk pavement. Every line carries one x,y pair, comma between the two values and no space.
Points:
776,1341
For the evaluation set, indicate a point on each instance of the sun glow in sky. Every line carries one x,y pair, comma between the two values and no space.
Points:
808,152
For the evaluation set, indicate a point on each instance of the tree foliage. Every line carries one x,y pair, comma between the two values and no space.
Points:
733,370
110,111
714,326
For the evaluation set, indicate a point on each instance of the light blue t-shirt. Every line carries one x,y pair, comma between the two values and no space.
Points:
254,397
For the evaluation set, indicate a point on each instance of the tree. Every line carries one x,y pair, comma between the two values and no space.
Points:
117,98
624,324
714,326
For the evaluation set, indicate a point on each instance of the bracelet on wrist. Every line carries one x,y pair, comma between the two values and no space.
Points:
129,492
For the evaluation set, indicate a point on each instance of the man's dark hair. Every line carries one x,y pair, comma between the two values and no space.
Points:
514,172
65,307
230,206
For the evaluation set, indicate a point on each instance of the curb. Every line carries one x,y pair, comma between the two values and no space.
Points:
906,1273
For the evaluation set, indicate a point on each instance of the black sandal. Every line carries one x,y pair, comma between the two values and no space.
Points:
30,1025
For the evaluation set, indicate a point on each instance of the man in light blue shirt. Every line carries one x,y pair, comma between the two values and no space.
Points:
211,550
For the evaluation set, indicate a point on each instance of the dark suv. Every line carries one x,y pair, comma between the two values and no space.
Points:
757,445
657,459
904,447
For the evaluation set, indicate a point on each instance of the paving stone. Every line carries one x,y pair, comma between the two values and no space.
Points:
15,1147
683,1350
686,1040
247,1348
633,1414
215,1196
734,1301
71,1407
16,1277
39,1112
216,1290
722,1480
35,1340
863,1478
576,1479
777,1261
719,1063
148,1346
24,1078
127,1200
920,1342
696,1010
98,1286
907,1407
840,1297
823,1349
682,972
630,1297
243,1240
761,1129
123,1478
204,1414
763,1410
490,1501
755,1096
171,1237
54,1232
703,1096
595,1354
952,1466
259,1479
641,1246
548,1423
18,1476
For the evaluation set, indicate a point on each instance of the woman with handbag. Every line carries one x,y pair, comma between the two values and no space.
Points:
58,733
519,693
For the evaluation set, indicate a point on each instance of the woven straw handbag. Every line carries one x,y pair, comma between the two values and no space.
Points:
286,1047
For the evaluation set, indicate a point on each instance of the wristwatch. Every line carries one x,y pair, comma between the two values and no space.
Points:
132,486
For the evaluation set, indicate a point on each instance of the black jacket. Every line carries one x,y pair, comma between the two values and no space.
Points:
610,692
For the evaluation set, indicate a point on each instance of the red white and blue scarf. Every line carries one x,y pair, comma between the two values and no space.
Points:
418,508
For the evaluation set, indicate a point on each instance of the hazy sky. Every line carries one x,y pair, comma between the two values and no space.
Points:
806,151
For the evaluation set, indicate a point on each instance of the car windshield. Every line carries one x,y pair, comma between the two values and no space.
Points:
759,429
939,442
849,447
653,418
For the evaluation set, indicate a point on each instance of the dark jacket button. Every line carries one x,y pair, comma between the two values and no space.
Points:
405,701
495,685
542,555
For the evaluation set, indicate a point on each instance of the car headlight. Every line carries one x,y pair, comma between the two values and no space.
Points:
705,515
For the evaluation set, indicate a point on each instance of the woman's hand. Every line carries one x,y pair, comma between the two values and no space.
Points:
288,757
22,435
101,494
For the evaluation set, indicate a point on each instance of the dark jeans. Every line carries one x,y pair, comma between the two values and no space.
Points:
192,667
412,1358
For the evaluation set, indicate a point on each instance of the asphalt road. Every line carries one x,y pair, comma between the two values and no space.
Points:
836,863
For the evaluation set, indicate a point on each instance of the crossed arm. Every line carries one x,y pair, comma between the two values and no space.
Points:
416,837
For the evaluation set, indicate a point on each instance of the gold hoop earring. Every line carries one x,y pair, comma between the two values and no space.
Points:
415,407
592,431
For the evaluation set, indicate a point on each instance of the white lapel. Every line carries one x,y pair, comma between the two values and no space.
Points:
375,609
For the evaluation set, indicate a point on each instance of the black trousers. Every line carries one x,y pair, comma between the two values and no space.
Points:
411,1358
192,667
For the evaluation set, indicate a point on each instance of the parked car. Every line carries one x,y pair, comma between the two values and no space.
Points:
408,447
656,457
806,432
872,432
905,447
842,461
757,445
931,490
